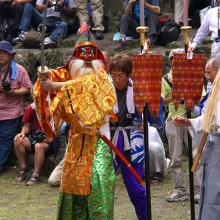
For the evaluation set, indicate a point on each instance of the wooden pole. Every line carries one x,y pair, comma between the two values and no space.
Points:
142,21
186,29
142,30
147,163
191,181
185,12
43,36
199,152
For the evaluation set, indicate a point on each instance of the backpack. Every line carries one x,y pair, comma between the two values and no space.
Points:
31,39
169,32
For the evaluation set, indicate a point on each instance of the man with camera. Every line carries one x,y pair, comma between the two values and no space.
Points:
33,140
14,83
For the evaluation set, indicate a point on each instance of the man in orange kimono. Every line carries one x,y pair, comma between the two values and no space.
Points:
81,94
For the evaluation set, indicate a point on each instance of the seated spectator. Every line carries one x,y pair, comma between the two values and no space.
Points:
69,15
32,140
14,83
11,9
55,176
97,15
131,20
158,162
54,22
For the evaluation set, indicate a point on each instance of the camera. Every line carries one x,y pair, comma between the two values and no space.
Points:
6,86
56,6
39,136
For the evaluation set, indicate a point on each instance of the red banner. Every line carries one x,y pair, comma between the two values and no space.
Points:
188,78
147,76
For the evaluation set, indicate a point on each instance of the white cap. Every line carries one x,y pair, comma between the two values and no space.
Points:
177,50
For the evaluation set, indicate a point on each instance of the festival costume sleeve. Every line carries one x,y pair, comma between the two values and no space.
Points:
48,123
195,130
83,103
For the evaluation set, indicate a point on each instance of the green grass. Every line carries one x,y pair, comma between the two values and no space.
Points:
39,202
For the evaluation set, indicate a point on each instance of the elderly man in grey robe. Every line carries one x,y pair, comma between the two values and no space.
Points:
208,122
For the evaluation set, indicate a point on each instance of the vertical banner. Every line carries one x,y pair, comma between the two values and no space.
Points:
147,77
188,79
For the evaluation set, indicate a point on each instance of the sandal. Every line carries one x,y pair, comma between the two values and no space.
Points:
156,178
22,174
33,180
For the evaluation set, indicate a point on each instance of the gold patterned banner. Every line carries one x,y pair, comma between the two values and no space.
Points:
188,78
147,76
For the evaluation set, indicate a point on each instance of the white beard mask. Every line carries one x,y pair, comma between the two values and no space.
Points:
78,68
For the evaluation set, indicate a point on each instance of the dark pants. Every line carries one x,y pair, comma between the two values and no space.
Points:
8,130
4,14
136,192
197,5
30,17
128,25
7,13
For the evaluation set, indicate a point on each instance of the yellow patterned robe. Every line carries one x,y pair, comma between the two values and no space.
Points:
84,103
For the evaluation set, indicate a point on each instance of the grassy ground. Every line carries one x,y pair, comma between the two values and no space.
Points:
39,202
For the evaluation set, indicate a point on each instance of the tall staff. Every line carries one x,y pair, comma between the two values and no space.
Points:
142,30
186,30
185,12
43,67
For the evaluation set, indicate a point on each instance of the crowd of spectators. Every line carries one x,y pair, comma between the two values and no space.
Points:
63,17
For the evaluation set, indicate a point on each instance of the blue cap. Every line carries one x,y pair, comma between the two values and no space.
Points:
6,46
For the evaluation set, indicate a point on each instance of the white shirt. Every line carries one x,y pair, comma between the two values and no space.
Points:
209,24
51,11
